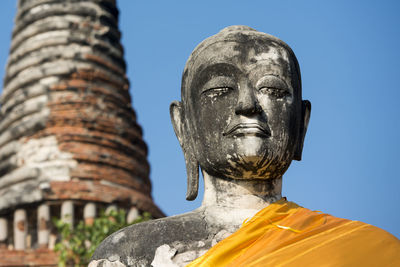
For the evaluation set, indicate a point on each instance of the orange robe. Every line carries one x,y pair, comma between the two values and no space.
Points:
285,234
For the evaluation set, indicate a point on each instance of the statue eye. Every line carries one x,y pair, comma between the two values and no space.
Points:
219,85
273,86
273,91
217,91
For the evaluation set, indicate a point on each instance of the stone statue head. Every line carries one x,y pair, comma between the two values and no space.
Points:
242,115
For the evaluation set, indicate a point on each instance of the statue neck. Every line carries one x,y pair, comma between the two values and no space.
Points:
231,201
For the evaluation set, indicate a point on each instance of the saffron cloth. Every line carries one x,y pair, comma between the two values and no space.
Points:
285,234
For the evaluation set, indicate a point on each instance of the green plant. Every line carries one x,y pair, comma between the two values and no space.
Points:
77,244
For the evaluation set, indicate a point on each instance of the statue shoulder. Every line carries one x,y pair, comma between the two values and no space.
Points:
136,245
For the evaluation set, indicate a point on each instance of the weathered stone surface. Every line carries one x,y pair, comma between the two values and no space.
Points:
132,215
20,229
3,230
65,108
68,133
67,212
43,225
89,213
137,244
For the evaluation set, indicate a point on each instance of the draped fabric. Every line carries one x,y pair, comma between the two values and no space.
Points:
285,234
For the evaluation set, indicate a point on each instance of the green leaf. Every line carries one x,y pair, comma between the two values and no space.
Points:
76,245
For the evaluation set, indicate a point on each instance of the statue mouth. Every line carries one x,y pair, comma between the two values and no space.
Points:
247,129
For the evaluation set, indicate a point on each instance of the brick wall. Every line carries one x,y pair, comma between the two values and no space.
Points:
66,114
37,257
68,132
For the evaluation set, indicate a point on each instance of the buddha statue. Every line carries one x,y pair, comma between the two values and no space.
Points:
241,121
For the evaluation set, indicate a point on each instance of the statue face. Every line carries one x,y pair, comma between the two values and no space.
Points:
244,109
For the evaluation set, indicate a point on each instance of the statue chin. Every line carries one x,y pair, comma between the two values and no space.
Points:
248,157
248,167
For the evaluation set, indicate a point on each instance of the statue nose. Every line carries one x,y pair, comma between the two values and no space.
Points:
247,103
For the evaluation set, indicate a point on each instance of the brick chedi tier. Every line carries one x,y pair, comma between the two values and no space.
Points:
69,140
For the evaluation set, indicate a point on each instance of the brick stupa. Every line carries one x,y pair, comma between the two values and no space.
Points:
69,140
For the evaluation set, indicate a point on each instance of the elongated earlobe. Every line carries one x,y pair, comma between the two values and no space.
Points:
192,166
192,172
305,118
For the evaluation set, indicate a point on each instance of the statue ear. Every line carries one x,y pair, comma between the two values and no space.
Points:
305,118
192,166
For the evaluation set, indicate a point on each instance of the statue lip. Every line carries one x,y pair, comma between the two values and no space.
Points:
248,129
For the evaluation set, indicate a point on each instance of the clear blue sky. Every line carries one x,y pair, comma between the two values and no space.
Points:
349,58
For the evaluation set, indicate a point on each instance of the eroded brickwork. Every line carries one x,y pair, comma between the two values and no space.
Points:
67,127
39,257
